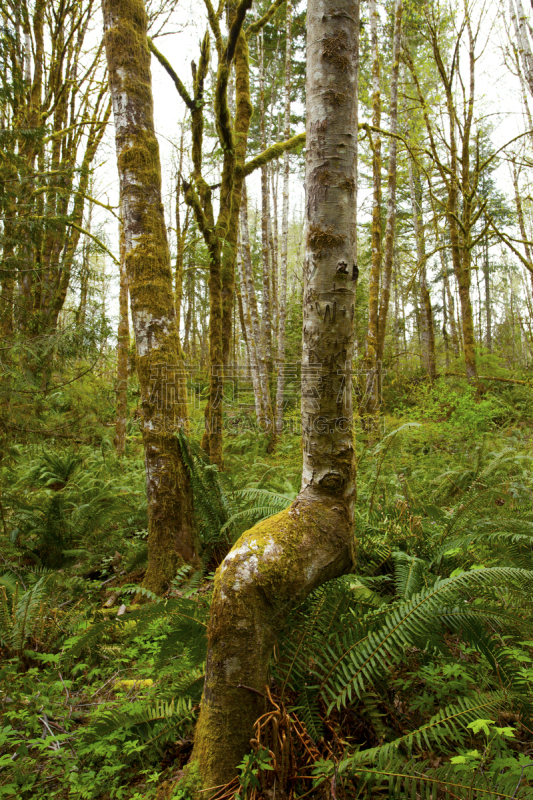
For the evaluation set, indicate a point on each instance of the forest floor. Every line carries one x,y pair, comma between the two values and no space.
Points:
410,677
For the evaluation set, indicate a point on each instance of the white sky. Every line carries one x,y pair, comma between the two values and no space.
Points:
498,98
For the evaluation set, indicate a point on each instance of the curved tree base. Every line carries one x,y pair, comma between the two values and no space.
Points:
271,569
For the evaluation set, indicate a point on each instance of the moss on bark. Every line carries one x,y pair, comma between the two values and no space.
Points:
171,532
270,569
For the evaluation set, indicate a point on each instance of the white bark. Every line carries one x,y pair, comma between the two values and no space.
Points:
329,291
250,340
520,25
266,411
282,295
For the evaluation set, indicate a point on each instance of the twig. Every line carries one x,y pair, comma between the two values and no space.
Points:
250,689
105,684
521,776
64,687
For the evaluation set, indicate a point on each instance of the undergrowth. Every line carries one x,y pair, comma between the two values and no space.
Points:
409,678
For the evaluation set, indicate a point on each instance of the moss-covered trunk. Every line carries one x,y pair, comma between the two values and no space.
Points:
123,344
170,516
427,324
276,564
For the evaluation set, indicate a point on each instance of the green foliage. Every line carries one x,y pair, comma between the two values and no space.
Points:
65,504
405,661
432,636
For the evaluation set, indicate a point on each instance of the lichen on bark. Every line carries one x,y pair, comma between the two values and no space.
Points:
278,562
171,532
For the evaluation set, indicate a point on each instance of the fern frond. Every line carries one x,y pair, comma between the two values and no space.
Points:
356,659
254,494
449,725
256,512
308,712
408,573
178,713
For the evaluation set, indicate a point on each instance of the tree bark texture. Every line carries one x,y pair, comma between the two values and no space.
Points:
278,562
123,344
371,391
284,228
171,538
427,324
391,198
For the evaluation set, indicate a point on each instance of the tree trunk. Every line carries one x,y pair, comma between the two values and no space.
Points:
427,328
266,326
448,299
123,344
276,564
520,25
266,420
488,302
249,339
521,221
284,227
445,334
181,235
396,318
273,238
171,534
371,392
391,199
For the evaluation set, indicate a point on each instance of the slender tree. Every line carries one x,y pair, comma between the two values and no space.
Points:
123,344
427,326
171,533
265,419
284,227
390,227
276,564
371,392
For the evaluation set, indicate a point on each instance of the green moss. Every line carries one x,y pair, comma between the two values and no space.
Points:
188,785
274,567
321,240
171,531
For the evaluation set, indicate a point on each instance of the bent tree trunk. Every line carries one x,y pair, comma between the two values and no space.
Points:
170,514
278,562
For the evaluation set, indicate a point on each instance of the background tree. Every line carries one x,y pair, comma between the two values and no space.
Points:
171,537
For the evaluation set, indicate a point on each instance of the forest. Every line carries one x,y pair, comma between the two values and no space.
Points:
266,399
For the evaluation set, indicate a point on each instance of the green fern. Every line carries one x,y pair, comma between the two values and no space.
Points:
409,573
446,729
308,711
352,662
177,716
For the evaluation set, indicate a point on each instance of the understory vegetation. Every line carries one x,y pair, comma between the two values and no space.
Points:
409,677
